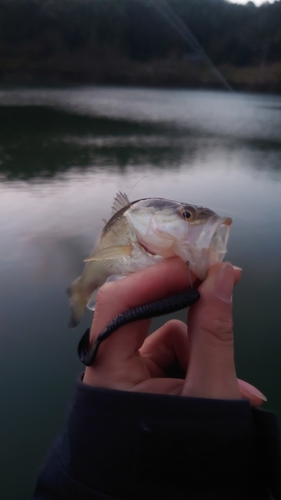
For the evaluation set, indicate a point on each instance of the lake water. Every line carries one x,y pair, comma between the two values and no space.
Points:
63,156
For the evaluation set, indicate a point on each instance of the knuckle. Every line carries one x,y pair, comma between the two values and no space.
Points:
175,324
222,328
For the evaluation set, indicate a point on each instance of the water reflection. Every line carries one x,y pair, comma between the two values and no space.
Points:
242,116
41,142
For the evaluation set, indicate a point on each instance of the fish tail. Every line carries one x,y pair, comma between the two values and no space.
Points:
77,300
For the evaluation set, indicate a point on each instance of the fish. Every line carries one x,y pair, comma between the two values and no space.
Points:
143,232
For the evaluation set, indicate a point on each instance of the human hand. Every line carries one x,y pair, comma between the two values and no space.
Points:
129,361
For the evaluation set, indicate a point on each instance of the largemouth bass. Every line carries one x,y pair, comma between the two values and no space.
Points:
143,232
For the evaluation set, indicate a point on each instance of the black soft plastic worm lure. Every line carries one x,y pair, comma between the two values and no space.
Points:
87,353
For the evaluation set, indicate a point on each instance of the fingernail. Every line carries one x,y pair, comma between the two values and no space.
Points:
255,392
224,283
236,268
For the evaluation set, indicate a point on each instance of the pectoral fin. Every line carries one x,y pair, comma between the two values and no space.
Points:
111,253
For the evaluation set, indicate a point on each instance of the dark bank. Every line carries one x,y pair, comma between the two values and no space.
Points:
137,43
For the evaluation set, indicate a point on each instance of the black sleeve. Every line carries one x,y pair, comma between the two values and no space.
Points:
135,446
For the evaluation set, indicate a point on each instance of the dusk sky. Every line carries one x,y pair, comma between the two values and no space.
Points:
257,2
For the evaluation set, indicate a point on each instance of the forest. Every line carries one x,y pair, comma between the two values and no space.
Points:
141,42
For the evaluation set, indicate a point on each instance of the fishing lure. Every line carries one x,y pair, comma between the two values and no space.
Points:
87,352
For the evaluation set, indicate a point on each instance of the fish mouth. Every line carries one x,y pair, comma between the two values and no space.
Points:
220,237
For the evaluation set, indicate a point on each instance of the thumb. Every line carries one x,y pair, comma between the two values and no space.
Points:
211,370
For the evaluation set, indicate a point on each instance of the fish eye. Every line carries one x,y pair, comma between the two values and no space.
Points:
186,214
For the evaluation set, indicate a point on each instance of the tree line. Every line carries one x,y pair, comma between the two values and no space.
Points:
104,39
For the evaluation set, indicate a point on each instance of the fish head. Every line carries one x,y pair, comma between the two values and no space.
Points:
168,228
206,240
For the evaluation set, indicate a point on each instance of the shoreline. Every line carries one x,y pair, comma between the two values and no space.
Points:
161,73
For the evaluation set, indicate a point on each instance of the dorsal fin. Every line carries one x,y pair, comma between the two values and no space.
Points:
121,200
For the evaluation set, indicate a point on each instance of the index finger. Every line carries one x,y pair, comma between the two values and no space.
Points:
166,278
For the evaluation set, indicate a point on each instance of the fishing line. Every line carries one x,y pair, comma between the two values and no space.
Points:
189,274
145,177
182,29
